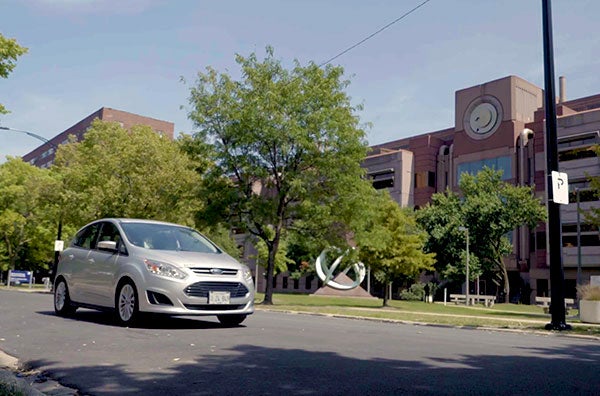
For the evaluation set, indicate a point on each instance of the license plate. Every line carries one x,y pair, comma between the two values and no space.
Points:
218,297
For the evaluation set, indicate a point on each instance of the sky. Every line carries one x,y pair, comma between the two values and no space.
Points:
143,56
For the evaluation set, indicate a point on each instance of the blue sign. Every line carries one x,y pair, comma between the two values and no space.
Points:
19,277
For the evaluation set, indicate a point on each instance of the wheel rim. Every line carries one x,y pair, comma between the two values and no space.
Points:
126,302
60,296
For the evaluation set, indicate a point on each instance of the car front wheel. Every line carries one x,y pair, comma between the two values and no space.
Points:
231,320
62,301
126,304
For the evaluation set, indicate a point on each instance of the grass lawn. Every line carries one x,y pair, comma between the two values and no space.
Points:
506,316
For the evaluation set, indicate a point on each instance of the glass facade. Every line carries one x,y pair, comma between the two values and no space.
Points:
499,163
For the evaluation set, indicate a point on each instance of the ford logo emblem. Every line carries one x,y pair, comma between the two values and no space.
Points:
216,271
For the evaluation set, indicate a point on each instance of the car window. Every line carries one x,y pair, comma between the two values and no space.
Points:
167,237
109,232
86,238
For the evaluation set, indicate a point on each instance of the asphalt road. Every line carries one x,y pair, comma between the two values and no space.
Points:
276,353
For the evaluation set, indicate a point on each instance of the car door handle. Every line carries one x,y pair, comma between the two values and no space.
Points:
92,260
71,256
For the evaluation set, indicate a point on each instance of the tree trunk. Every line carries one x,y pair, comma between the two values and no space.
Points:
386,295
272,248
506,284
12,258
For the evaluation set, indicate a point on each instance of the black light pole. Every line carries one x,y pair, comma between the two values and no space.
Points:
59,232
557,277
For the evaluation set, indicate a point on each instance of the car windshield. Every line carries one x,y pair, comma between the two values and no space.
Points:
167,237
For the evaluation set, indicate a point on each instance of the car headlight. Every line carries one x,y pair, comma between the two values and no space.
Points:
164,269
247,274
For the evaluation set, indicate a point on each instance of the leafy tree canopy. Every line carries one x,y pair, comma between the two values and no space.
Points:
10,50
285,144
26,231
392,242
490,209
113,172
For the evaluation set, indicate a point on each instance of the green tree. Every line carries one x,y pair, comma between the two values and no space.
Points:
10,50
491,209
113,172
284,142
25,232
392,243
441,218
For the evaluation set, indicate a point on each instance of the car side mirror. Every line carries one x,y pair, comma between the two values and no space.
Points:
107,245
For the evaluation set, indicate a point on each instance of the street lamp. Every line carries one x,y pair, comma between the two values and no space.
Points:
59,232
466,230
43,139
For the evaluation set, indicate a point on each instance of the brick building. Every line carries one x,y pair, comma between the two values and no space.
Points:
43,156
500,124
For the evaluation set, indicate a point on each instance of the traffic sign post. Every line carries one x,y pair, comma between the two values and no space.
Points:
560,188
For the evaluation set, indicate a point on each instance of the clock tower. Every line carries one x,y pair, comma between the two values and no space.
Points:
490,117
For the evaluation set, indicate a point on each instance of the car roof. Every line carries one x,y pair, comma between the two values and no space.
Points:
146,221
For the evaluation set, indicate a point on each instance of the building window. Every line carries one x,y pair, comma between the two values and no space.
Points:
584,196
308,282
424,179
503,164
296,284
583,227
540,242
585,140
382,178
285,282
586,240
576,154
532,242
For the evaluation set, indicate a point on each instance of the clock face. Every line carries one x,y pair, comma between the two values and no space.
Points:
482,117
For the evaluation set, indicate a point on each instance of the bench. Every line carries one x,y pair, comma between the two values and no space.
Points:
544,302
458,298
488,301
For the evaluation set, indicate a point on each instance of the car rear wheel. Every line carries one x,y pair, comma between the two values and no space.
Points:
127,308
62,301
231,320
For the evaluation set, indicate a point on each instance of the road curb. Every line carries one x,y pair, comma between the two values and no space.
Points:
28,383
403,321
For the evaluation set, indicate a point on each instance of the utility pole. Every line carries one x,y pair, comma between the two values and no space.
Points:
466,230
557,276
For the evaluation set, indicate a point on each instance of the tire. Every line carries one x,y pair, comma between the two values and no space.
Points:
62,302
126,304
231,320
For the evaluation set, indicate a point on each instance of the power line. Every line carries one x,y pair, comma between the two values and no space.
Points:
373,34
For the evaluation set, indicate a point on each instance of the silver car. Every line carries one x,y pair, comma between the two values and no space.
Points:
134,266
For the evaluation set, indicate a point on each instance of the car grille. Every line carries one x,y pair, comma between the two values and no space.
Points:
201,289
205,307
214,271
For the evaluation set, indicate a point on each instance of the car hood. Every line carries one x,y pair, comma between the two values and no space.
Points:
195,259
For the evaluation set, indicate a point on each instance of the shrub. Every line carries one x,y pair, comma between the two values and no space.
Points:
589,292
416,292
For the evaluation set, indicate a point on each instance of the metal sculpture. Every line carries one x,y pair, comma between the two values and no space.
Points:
327,274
